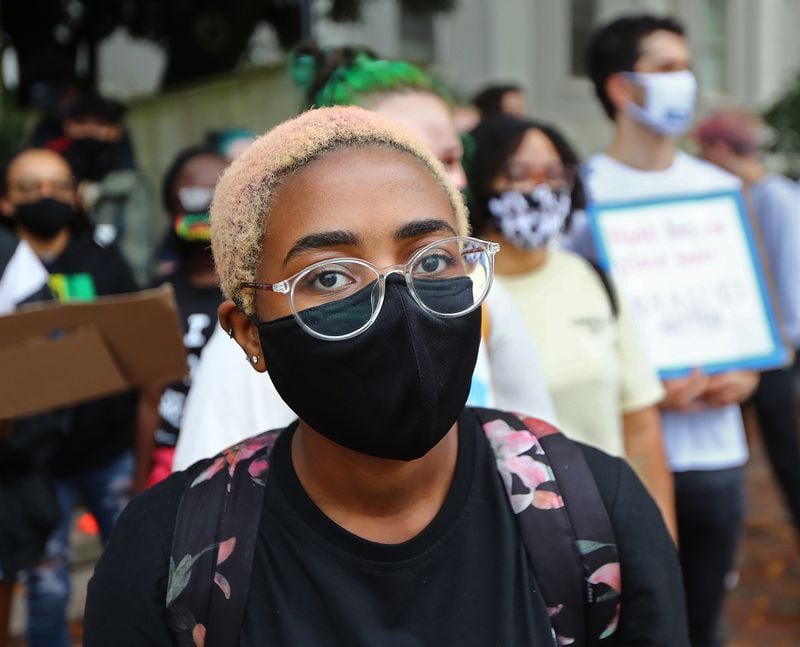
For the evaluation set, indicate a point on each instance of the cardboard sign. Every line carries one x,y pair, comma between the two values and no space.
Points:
54,355
690,271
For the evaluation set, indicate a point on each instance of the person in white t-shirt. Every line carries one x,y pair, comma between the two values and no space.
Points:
507,374
641,70
524,188
23,278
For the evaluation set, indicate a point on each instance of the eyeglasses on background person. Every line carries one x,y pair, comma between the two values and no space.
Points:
559,177
340,298
29,189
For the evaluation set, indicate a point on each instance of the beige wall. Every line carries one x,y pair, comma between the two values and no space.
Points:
162,125
527,41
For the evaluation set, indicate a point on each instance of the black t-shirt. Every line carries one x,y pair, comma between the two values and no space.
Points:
462,581
103,428
82,261
198,311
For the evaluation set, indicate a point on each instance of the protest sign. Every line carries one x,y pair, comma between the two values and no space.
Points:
690,269
53,354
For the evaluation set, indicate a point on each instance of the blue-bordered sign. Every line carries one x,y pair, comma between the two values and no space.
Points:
689,267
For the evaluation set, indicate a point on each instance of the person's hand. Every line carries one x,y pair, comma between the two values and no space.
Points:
732,387
88,194
686,393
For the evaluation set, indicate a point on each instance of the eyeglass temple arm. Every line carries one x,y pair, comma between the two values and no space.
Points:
281,287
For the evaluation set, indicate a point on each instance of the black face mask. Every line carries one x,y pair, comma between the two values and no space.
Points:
92,159
393,391
44,218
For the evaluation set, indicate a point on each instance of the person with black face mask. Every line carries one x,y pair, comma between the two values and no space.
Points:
93,457
388,514
28,507
113,193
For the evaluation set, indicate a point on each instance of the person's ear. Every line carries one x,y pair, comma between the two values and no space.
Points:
718,152
6,208
620,91
241,328
114,132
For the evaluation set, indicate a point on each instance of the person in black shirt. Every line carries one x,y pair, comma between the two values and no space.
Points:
188,186
28,507
93,458
390,513
112,191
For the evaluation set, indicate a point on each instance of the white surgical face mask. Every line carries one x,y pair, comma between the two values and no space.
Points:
669,99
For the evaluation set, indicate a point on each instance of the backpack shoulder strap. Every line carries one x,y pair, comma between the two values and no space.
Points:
605,279
214,544
563,524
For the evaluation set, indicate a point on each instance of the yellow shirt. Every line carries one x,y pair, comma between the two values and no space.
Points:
592,361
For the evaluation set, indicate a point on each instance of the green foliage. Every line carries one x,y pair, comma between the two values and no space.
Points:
200,37
784,118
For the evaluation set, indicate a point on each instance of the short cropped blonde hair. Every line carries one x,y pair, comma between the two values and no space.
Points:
245,192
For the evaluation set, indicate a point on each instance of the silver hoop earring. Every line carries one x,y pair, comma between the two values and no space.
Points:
254,359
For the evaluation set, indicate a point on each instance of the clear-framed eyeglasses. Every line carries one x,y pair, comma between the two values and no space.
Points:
340,298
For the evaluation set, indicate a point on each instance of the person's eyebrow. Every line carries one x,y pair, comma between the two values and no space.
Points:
322,240
422,228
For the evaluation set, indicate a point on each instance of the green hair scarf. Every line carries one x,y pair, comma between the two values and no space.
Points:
363,76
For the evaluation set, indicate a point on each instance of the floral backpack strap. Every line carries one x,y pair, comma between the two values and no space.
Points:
214,543
563,523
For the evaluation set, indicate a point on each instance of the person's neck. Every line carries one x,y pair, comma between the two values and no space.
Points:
511,260
750,170
637,146
49,248
201,272
380,500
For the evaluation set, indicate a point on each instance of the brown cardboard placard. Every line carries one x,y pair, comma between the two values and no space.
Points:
23,389
59,354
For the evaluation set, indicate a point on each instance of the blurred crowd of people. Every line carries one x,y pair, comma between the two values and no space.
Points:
79,220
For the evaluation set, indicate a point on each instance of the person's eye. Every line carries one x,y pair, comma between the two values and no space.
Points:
62,187
328,280
26,186
450,163
435,262
517,173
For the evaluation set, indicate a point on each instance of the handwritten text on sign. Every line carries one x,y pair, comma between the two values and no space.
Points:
688,272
